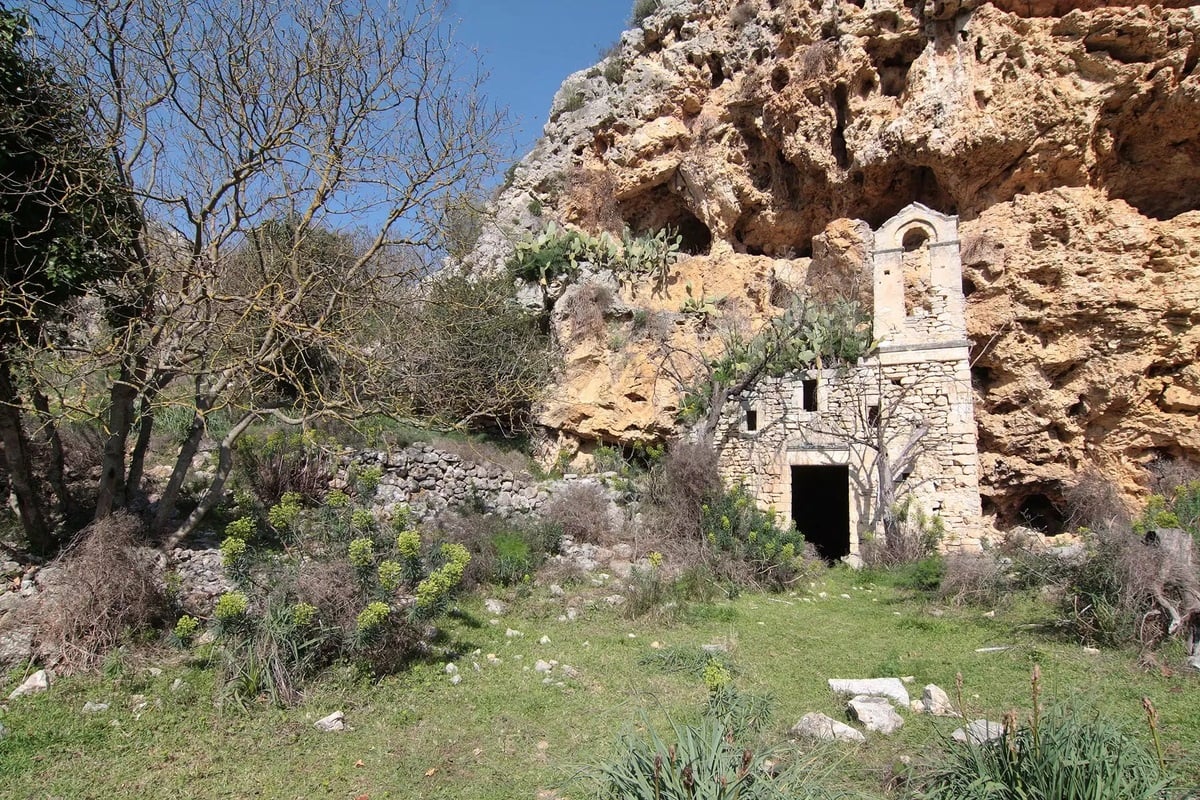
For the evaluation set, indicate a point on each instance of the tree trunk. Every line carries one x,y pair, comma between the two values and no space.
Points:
56,470
20,467
183,465
217,488
111,493
137,460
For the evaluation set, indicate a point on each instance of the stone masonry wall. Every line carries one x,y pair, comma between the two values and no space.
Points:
918,424
429,480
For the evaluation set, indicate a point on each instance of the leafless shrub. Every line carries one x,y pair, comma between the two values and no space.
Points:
330,586
593,195
742,13
818,59
275,465
476,533
679,486
585,306
910,537
563,571
972,579
582,511
83,442
1094,502
484,452
105,589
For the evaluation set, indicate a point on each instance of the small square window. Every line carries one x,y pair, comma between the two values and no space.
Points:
873,417
751,419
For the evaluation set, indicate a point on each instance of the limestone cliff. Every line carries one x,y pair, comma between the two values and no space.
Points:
771,133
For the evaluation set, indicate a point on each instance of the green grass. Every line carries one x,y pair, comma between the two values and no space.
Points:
502,733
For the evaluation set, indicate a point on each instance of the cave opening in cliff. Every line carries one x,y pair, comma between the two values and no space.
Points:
1039,512
892,64
821,508
661,208
898,185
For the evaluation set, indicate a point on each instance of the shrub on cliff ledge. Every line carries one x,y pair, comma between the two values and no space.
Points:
642,9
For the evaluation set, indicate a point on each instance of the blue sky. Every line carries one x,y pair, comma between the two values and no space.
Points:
530,46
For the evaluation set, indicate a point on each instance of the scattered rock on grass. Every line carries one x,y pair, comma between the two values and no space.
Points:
872,687
334,722
816,725
16,646
37,682
935,701
94,708
494,606
978,732
875,713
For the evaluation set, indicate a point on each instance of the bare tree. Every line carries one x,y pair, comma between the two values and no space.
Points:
222,118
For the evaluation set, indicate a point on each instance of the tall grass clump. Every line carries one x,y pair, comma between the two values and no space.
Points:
1066,753
718,758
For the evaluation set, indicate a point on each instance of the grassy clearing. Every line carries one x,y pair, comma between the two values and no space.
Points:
503,732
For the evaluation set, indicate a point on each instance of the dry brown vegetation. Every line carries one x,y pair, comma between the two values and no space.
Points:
105,588
581,510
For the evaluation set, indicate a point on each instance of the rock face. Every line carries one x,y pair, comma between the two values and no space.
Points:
1065,136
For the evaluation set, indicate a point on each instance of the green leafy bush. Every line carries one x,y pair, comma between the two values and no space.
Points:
231,607
283,515
361,553
1178,508
556,254
502,550
185,629
271,654
391,575
433,592
371,618
233,553
732,524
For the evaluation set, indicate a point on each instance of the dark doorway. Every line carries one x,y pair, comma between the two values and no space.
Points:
821,508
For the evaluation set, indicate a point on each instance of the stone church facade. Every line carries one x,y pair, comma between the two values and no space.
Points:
816,446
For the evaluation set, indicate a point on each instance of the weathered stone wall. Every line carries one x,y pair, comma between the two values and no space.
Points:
919,426
429,481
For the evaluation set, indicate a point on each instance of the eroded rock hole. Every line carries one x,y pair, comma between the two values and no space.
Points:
1042,514
982,378
779,78
662,208
716,66
892,66
842,111
907,184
